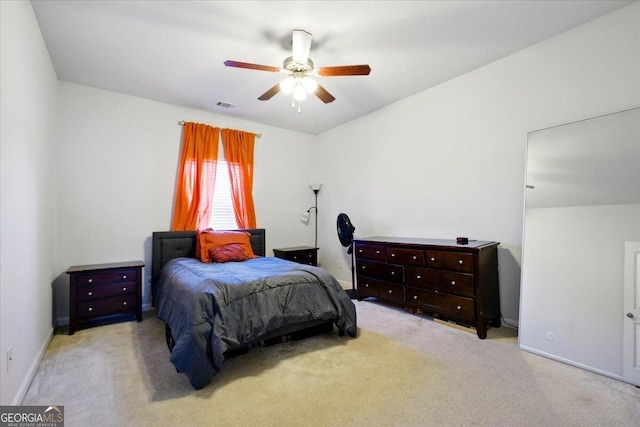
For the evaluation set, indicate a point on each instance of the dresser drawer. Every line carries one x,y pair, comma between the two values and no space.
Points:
106,277
420,277
94,292
454,306
379,270
368,287
107,306
455,283
376,252
392,292
454,261
405,256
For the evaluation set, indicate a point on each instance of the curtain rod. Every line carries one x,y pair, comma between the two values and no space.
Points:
182,122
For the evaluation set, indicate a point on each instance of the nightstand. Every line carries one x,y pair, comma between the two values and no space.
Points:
301,254
100,290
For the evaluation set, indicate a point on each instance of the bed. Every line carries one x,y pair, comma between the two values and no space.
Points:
212,310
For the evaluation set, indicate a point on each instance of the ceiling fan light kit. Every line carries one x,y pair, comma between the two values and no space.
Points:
300,70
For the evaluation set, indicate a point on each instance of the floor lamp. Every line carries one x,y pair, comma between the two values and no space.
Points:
316,189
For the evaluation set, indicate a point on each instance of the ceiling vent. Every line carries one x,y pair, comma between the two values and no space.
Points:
224,105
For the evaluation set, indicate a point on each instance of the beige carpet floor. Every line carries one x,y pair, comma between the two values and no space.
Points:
402,370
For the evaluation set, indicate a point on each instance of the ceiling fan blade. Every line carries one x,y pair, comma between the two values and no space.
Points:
300,46
250,66
344,70
325,96
270,93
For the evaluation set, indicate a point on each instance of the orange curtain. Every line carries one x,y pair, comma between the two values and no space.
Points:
196,175
238,152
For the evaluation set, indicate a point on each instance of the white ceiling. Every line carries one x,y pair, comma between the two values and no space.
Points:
173,51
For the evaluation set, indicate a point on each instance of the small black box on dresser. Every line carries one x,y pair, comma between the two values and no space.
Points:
100,290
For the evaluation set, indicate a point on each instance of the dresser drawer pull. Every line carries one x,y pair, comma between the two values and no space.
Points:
460,262
459,307
366,285
418,277
432,259
453,283
393,273
124,276
295,257
90,280
393,255
363,267
90,308
390,291
377,252
415,257
415,297
359,250
124,289
125,303
89,294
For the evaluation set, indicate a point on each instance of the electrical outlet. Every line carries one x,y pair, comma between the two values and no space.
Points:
9,357
550,336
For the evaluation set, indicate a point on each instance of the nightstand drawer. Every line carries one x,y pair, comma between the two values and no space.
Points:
108,306
300,254
95,292
106,277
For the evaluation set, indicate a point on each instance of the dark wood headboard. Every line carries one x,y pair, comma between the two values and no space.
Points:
167,245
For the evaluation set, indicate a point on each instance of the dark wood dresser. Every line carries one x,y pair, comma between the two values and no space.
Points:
450,281
104,289
300,254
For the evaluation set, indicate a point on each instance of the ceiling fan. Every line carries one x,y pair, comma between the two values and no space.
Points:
300,70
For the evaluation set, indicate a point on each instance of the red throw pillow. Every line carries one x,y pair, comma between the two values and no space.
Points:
226,253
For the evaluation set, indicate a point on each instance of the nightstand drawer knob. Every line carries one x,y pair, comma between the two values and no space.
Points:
393,255
377,252
415,257
432,259
459,307
418,277
90,308
125,303
124,276
415,297
89,293
124,289
390,291
90,280
295,257
453,283
366,285
393,273
460,262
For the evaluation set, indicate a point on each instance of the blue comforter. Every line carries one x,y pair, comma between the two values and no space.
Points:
211,308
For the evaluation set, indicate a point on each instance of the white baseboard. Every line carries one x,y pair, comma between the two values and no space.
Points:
570,362
26,382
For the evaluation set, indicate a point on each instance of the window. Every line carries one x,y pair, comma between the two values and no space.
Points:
222,216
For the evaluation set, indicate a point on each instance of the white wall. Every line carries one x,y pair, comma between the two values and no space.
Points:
116,158
27,194
451,161
573,277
